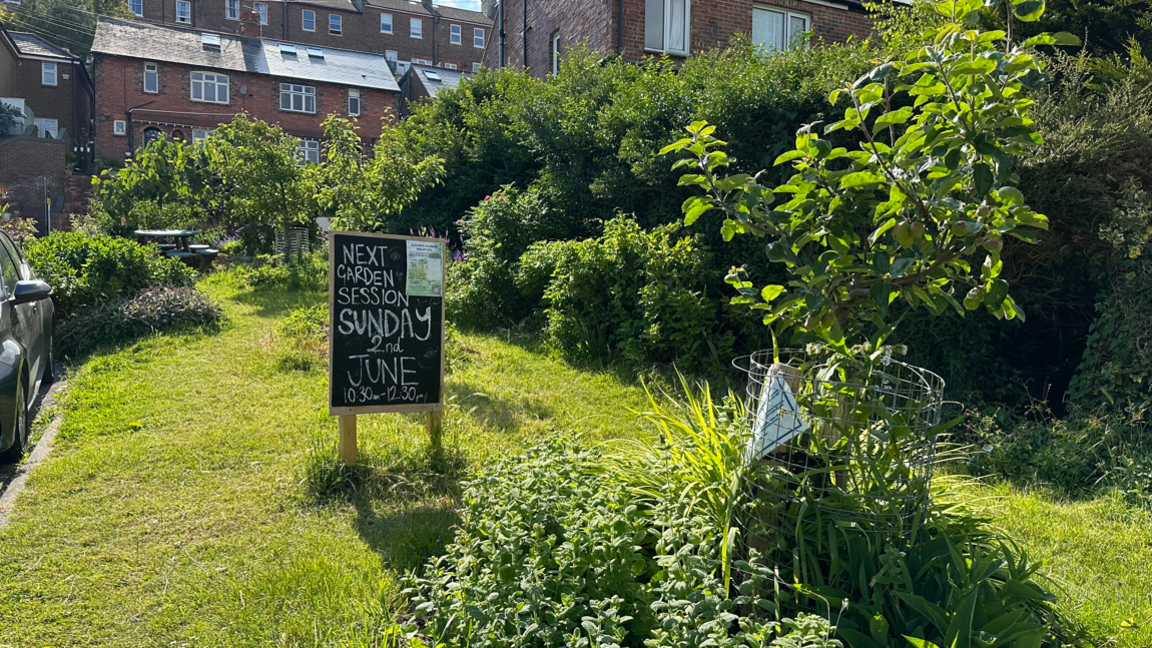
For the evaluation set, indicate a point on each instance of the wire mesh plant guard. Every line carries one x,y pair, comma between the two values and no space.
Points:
826,447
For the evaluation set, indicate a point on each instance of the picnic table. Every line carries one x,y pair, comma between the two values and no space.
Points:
174,243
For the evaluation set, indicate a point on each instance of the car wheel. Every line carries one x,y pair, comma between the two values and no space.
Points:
50,370
16,452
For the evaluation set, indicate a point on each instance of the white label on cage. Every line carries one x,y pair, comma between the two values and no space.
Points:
776,421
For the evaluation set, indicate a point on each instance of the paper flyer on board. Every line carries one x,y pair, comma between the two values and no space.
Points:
425,269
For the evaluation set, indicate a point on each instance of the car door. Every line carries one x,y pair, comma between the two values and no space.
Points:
25,324
45,309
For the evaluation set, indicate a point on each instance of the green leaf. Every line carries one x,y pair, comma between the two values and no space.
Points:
891,119
982,179
860,179
960,629
1059,38
771,292
789,156
1028,10
1011,194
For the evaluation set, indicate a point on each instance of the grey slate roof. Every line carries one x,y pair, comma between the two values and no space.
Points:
399,5
33,45
452,13
258,56
444,78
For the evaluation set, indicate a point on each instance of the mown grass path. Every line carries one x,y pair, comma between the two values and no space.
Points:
173,511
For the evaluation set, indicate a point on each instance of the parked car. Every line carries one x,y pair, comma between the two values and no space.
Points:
26,318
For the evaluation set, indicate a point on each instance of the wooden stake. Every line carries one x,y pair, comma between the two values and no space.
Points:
348,455
434,422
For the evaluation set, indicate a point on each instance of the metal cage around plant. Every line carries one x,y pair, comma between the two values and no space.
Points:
850,448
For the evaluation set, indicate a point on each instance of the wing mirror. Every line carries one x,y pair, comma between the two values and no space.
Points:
30,290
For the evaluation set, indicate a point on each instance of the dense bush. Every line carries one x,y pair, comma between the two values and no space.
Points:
121,320
634,295
86,271
289,272
553,549
587,139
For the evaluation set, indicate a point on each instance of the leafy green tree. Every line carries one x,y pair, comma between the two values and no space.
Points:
363,191
262,182
167,183
917,210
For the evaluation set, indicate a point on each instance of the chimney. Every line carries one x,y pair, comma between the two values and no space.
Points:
249,24
488,8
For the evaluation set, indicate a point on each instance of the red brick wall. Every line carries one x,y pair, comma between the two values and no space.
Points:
119,82
464,54
714,22
24,164
577,21
361,31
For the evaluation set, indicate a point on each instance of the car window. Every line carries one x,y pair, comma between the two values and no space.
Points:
8,269
18,255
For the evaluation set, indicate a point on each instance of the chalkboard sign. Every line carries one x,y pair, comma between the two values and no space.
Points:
386,327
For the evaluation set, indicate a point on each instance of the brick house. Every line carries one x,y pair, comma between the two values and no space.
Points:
153,80
534,33
52,91
403,30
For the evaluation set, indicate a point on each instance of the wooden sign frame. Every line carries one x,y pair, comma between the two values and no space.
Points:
381,409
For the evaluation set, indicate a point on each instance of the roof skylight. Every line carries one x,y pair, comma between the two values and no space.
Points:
287,49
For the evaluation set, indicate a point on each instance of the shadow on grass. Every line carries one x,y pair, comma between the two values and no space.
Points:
492,412
405,506
406,540
276,301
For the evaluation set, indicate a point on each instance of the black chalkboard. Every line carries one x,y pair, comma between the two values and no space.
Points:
386,326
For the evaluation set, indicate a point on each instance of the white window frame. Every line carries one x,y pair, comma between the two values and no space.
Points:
49,74
154,70
391,55
475,68
354,102
478,36
386,28
416,27
15,2
304,93
420,61
119,127
339,31
787,16
304,16
451,66
200,134
666,28
456,34
132,6
556,54
261,9
232,9
218,81
43,129
187,17
309,152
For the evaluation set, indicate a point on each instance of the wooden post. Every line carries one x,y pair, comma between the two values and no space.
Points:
348,455
434,422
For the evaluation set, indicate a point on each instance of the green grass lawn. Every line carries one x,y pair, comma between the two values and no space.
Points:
178,508
175,508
